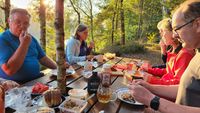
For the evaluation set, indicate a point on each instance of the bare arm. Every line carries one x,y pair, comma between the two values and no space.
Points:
168,91
144,96
16,60
46,61
170,107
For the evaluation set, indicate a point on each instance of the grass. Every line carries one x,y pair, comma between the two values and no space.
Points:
137,50
153,56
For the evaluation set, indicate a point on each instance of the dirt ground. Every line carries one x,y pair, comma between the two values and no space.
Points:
153,56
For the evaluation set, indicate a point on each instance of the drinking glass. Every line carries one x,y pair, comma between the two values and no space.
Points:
105,94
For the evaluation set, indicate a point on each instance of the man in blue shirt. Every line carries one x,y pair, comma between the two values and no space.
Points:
20,52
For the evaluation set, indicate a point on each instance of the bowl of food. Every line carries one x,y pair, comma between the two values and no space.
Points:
72,105
45,110
78,93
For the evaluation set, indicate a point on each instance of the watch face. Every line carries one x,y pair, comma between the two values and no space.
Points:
155,102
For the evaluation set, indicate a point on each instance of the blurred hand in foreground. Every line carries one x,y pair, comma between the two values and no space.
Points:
92,44
145,67
8,84
89,57
141,94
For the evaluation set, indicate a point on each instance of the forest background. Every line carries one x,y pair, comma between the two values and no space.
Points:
125,27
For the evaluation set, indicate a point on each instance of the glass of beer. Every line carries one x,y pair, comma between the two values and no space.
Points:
105,94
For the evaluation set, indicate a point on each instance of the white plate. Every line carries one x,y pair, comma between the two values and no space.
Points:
95,64
78,93
124,91
81,63
86,74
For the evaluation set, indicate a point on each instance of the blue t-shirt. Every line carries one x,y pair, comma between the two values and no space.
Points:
31,68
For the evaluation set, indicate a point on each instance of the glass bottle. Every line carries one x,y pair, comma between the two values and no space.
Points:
104,91
93,83
106,75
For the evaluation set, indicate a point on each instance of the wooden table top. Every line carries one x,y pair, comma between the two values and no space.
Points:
78,81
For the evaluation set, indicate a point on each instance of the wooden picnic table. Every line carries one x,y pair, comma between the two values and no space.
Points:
78,81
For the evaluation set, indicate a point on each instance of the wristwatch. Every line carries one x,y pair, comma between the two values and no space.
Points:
155,102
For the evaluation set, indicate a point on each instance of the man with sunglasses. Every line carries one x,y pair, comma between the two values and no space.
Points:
20,53
186,25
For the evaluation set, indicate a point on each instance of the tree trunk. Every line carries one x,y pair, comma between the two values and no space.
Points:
60,54
7,12
113,22
140,19
42,15
122,24
91,21
76,10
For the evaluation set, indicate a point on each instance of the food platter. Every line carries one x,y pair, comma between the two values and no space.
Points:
124,95
39,101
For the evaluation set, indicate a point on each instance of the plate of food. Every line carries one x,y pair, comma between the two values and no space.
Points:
124,95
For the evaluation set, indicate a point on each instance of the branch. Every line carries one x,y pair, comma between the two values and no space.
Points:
85,4
2,26
75,9
3,8
84,12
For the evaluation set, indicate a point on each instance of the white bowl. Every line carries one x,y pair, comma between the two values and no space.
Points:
78,93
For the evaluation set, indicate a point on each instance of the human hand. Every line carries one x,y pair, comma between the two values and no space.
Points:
89,57
92,44
150,110
146,76
141,94
25,38
142,83
8,84
66,65
145,66
163,47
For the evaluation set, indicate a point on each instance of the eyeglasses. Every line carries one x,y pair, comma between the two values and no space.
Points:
178,28
19,23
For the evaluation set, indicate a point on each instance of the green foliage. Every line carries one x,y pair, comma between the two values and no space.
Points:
152,38
151,15
129,48
1,30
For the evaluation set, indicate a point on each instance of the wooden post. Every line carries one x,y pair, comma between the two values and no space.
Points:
7,12
60,53
42,15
